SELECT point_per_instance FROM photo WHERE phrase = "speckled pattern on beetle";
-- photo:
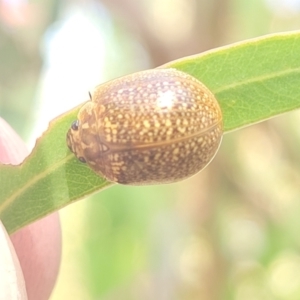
(151, 127)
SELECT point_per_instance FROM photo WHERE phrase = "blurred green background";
(230, 232)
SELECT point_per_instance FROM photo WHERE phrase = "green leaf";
(253, 80)
(49, 178)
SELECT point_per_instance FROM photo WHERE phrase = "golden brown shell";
(152, 127)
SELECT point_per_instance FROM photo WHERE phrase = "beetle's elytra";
(152, 127)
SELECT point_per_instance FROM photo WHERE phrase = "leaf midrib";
(256, 79)
(33, 181)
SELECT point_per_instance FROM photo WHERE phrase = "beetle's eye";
(75, 125)
(82, 159)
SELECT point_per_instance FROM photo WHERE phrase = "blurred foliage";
(231, 232)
